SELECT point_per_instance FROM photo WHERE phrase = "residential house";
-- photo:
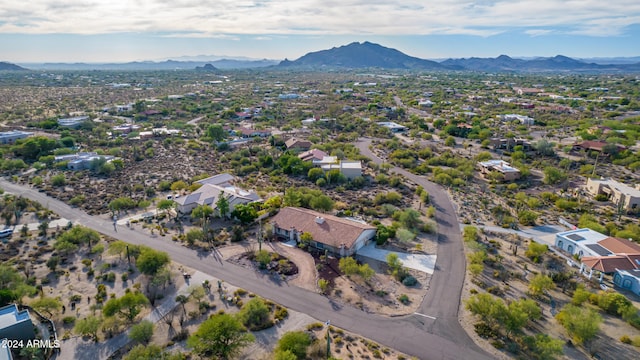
(528, 91)
(628, 279)
(508, 172)
(624, 196)
(298, 144)
(73, 122)
(326, 160)
(312, 155)
(82, 160)
(16, 324)
(125, 128)
(349, 168)
(523, 119)
(599, 252)
(394, 127)
(247, 133)
(212, 189)
(509, 143)
(591, 145)
(339, 236)
(9, 137)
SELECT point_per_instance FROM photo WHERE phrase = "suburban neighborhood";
(313, 214)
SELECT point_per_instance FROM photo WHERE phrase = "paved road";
(413, 335)
(442, 301)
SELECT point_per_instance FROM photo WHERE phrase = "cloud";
(262, 18)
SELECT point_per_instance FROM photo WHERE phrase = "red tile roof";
(608, 264)
(333, 231)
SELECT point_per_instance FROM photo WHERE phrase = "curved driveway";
(419, 336)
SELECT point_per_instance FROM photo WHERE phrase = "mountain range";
(5, 66)
(362, 55)
(366, 55)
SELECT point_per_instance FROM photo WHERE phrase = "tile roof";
(620, 246)
(333, 231)
(608, 264)
(313, 154)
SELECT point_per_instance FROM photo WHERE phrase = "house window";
(560, 244)
(626, 283)
(570, 249)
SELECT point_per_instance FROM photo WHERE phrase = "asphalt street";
(436, 334)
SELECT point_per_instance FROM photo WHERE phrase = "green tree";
(202, 212)
(410, 218)
(295, 342)
(58, 180)
(246, 213)
(141, 332)
(554, 175)
(128, 306)
(88, 326)
(544, 347)
(255, 315)
(539, 284)
(221, 336)
(150, 261)
(315, 174)
(582, 324)
(216, 133)
(178, 185)
(165, 205)
(47, 304)
(348, 266)
(322, 203)
(151, 352)
(223, 206)
(535, 251)
(490, 309)
(470, 233)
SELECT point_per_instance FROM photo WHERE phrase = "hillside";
(5, 66)
(363, 55)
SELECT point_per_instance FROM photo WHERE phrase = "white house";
(625, 196)
(394, 127)
(339, 236)
(349, 168)
(82, 160)
(9, 137)
(210, 192)
(72, 122)
(628, 279)
(523, 119)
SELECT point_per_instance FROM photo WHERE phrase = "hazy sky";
(127, 30)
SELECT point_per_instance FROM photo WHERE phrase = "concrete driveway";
(420, 262)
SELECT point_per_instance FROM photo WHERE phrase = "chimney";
(319, 220)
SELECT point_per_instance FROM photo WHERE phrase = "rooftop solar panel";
(599, 249)
(575, 237)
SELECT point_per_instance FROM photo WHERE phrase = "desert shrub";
(404, 298)
(409, 281)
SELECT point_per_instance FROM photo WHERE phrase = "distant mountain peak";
(362, 55)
